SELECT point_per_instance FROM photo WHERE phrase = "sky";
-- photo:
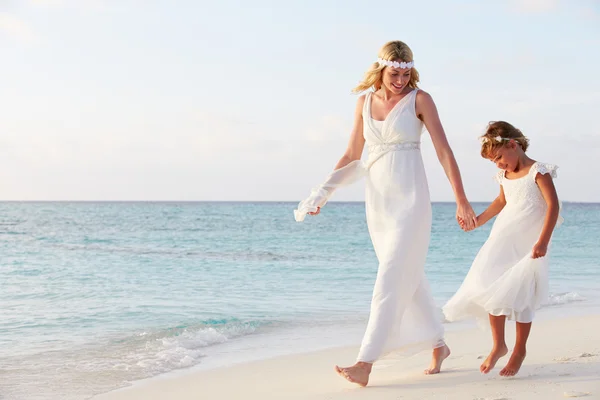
(251, 100)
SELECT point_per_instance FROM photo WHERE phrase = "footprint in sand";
(576, 394)
(582, 355)
(491, 398)
(585, 355)
(562, 359)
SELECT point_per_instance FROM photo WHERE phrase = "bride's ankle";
(441, 349)
(365, 365)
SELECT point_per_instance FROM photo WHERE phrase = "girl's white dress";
(403, 314)
(504, 279)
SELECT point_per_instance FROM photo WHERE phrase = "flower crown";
(497, 139)
(395, 64)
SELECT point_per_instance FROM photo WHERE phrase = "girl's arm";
(546, 185)
(427, 112)
(493, 209)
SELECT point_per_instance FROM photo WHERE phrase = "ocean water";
(96, 295)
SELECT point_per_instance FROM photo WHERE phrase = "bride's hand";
(465, 216)
(316, 212)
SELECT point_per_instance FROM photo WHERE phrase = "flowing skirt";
(504, 279)
(403, 315)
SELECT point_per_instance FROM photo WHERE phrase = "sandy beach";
(563, 362)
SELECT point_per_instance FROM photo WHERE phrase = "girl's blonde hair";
(393, 51)
(505, 132)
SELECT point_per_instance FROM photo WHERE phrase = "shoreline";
(563, 360)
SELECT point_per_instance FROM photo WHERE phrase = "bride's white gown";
(403, 314)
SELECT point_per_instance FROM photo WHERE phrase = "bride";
(389, 119)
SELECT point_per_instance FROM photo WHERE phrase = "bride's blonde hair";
(393, 51)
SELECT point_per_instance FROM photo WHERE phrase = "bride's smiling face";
(396, 79)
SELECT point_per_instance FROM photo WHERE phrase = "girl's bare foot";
(514, 364)
(439, 355)
(358, 373)
(492, 359)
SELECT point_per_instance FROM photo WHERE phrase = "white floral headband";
(395, 64)
(498, 139)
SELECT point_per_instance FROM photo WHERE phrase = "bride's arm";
(355, 145)
(357, 140)
(427, 112)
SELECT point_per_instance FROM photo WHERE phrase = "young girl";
(509, 275)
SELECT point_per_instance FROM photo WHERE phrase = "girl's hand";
(539, 250)
(465, 216)
(463, 225)
(316, 212)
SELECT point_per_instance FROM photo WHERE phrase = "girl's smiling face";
(506, 157)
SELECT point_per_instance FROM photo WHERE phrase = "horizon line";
(245, 201)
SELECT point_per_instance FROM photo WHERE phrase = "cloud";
(534, 6)
(48, 3)
(587, 9)
(590, 12)
(17, 29)
(90, 5)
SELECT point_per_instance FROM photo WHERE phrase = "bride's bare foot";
(492, 359)
(358, 373)
(439, 355)
(514, 364)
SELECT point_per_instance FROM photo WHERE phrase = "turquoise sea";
(96, 295)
